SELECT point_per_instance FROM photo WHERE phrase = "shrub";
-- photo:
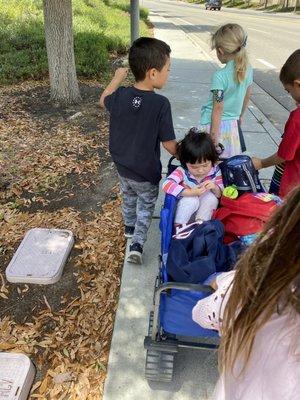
(100, 26)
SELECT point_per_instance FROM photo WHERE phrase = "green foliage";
(125, 6)
(100, 26)
(196, 1)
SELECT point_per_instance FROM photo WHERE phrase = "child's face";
(221, 55)
(159, 78)
(199, 169)
(294, 90)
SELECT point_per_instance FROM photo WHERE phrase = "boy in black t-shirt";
(140, 120)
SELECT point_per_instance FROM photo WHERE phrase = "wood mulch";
(56, 173)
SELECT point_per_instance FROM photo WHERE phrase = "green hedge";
(100, 26)
(125, 6)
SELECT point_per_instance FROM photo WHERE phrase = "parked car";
(213, 4)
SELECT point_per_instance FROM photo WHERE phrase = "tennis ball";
(231, 192)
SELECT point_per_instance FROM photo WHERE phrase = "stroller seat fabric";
(176, 314)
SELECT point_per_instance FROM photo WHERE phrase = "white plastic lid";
(16, 376)
(41, 256)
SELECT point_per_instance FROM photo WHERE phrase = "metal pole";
(135, 19)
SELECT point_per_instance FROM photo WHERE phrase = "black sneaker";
(135, 253)
(129, 231)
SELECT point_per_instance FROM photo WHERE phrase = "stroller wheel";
(159, 366)
(150, 325)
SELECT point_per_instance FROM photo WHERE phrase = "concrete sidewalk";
(195, 371)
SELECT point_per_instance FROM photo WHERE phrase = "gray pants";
(138, 204)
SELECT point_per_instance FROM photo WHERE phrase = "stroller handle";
(184, 286)
(174, 285)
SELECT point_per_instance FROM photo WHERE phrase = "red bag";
(244, 215)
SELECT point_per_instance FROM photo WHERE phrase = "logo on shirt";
(136, 102)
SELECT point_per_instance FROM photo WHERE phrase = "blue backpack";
(239, 171)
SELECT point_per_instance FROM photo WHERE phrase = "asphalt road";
(271, 37)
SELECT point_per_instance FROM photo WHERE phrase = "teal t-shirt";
(234, 93)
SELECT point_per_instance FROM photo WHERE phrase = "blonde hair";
(267, 279)
(232, 39)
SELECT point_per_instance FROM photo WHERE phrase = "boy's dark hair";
(291, 68)
(146, 53)
(196, 147)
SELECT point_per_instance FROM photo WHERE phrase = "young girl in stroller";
(197, 183)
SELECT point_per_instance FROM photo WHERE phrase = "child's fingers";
(207, 185)
(201, 190)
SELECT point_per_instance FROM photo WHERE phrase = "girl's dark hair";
(291, 68)
(146, 53)
(196, 147)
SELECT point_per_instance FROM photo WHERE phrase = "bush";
(91, 54)
(100, 26)
(125, 6)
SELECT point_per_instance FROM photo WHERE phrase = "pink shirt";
(181, 179)
(273, 370)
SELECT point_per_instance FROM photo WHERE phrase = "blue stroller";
(170, 322)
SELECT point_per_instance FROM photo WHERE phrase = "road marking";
(266, 63)
(257, 30)
(189, 23)
(183, 20)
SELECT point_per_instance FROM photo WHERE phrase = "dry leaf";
(72, 334)
(63, 377)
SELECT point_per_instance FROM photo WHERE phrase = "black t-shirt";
(139, 121)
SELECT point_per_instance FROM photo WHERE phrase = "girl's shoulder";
(219, 72)
(179, 171)
(249, 69)
(214, 171)
(224, 73)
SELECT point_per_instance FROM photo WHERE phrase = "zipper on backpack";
(252, 183)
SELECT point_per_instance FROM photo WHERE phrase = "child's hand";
(199, 190)
(257, 163)
(208, 185)
(121, 74)
(213, 284)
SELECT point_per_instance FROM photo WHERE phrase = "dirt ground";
(56, 172)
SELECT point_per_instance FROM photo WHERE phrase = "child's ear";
(297, 82)
(152, 73)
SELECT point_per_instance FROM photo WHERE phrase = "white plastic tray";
(41, 256)
(16, 376)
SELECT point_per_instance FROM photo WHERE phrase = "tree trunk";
(60, 51)
(296, 5)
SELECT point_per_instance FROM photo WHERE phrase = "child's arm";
(260, 163)
(118, 78)
(172, 185)
(171, 147)
(215, 185)
(196, 191)
(216, 115)
(246, 101)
